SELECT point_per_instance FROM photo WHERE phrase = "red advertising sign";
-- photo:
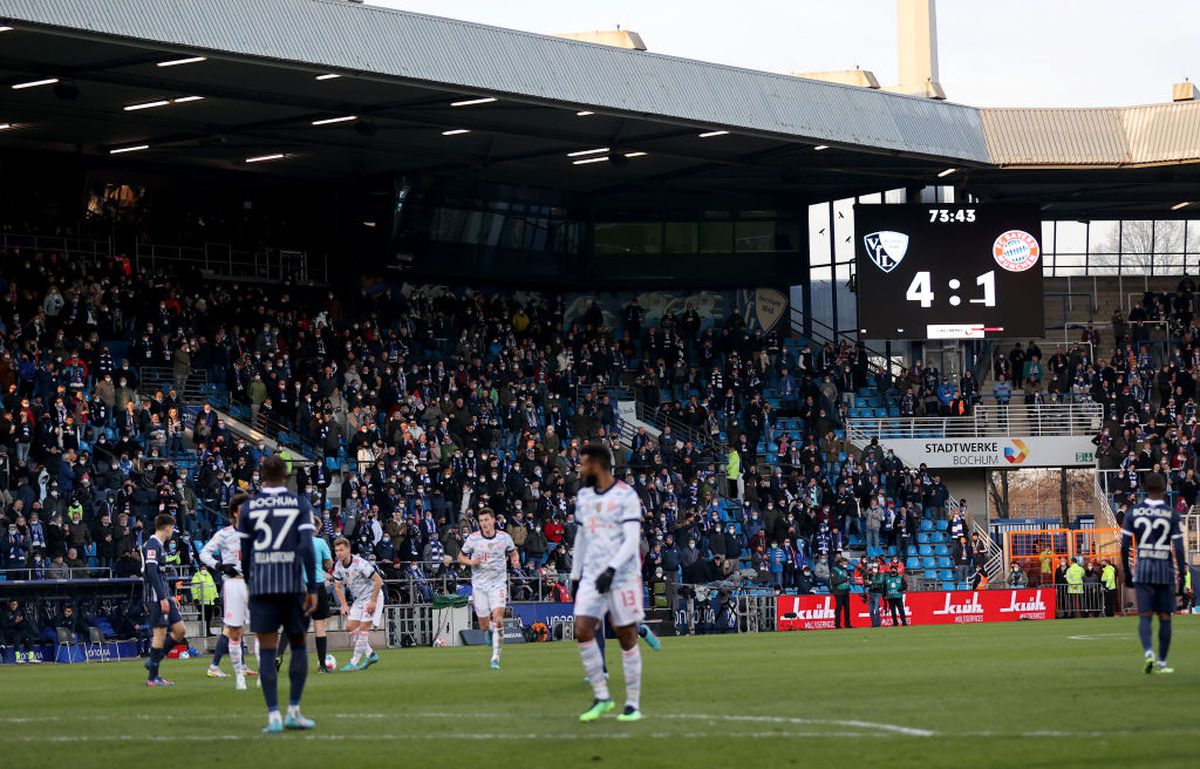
(815, 612)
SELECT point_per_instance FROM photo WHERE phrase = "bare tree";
(1143, 245)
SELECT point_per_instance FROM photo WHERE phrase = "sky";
(992, 53)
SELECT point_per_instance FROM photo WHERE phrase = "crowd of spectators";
(418, 407)
(1147, 388)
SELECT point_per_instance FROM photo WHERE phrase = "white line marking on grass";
(1097, 636)
(907, 731)
(571, 736)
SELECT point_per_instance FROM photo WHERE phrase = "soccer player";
(235, 600)
(1153, 528)
(487, 552)
(277, 560)
(161, 609)
(609, 580)
(358, 577)
(325, 566)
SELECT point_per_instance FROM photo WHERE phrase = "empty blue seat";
(923, 538)
(926, 525)
(891, 551)
(912, 550)
(930, 574)
(937, 538)
(947, 575)
(964, 585)
(912, 563)
(941, 550)
(929, 562)
(926, 550)
(943, 562)
(943, 525)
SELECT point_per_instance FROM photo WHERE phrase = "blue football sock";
(1144, 628)
(269, 678)
(221, 650)
(298, 672)
(1164, 638)
(156, 658)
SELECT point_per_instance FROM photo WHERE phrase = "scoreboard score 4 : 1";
(948, 271)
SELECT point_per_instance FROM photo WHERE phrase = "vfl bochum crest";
(886, 248)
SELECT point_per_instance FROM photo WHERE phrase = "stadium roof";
(667, 122)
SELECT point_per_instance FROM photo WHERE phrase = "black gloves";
(604, 581)
(229, 570)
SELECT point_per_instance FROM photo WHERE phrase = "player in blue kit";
(161, 609)
(280, 566)
(1153, 530)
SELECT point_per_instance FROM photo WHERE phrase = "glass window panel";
(754, 236)
(716, 237)
(894, 196)
(818, 234)
(628, 238)
(1048, 237)
(1137, 236)
(1068, 264)
(1071, 237)
(1169, 236)
(1103, 238)
(1193, 236)
(681, 238)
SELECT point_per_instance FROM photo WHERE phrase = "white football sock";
(593, 668)
(631, 663)
(235, 656)
(497, 637)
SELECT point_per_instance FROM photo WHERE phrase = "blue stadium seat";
(941, 550)
(891, 551)
(926, 525)
(943, 562)
(937, 538)
(912, 563)
(923, 538)
(929, 562)
(930, 574)
(943, 525)
(912, 550)
(926, 550)
(947, 575)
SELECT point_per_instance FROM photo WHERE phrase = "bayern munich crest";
(886, 248)
(1016, 250)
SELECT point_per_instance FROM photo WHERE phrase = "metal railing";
(986, 421)
(222, 260)
(44, 573)
(67, 246)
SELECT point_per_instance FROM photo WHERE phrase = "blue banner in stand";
(549, 614)
(109, 650)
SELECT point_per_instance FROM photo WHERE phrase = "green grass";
(1004, 695)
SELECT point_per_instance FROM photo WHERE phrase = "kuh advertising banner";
(957, 607)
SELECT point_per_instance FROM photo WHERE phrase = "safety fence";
(1040, 552)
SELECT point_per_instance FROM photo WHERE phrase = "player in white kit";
(223, 552)
(488, 553)
(360, 579)
(607, 573)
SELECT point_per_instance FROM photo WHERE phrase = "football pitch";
(1037, 694)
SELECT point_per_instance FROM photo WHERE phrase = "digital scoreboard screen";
(948, 271)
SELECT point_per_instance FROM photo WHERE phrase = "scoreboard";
(948, 271)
